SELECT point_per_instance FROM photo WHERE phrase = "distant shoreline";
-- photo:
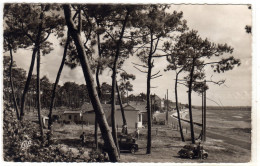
(246, 108)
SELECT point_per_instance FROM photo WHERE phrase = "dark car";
(127, 143)
(192, 151)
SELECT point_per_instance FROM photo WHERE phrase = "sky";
(219, 23)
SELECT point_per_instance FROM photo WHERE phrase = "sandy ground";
(165, 145)
(233, 123)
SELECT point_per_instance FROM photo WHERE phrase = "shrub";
(97, 156)
(22, 143)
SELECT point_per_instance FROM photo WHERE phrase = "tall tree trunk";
(167, 108)
(177, 106)
(205, 110)
(99, 95)
(105, 131)
(39, 93)
(127, 96)
(30, 102)
(202, 116)
(148, 98)
(57, 81)
(121, 107)
(190, 106)
(98, 88)
(113, 102)
(96, 132)
(11, 82)
(28, 80)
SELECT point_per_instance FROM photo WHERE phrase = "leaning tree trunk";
(28, 80)
(26, 88)
(99, 95)
(121, 107)
(105, 131)
(57, 82)
(177, 106)
(11, 82)
(190, 106)
(99, 90)
(113, 102)
(38, 93)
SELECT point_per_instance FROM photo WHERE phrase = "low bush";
(22, 143)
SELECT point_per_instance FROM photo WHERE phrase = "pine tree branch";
(140, 65)
(143, 46)
(154, 87)
(121, 69)
(156, 77)
(140, 47)
(46, 37)
(159, 56)
(182, 83)
(140, 70)
(27, 34)
(211, 81)
(110, 35)
(155, 73)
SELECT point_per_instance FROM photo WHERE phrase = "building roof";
(72, 112)
(88, 108)
(138, 105)
(129, 107)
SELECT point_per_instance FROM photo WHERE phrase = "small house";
(140, 106)
(134, 117)
(89, 114)
(57, 114)
(72, 116)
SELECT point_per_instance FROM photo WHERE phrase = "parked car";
(127, 143)
(192, 151)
